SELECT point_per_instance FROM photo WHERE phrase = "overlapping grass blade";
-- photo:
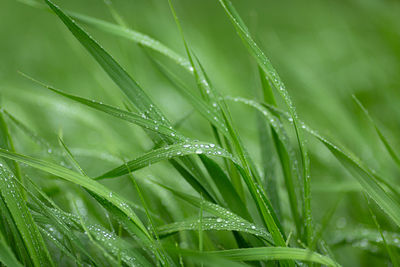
(12, 235)
(91, 185)
(125, 82)
(274, 78)
(218, 211)
(274, 253)
(11, 193)
(392, 254)
(7, 257)
(366, 178)
(131, 89)
(225, 187)
(168, 152)
(285, 153)
(140, 120)
(217, 224)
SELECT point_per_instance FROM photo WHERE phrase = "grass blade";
(274, 253)
(23, 220)
(83, 181)
(168, 152)
(131, 89)
(6, 255)
(212, 223)
(274, 78)
(384, 140)
(366, 178)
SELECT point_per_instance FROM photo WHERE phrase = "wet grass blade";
(7, 257)
(125, 82)
(225, 187)
(219, 212)
(366, 178)
(392, 254)
(274, 253)
(274, 78)
(11, 193)
(85, 182)
(168, 152)
(217, 224)
(140, 120)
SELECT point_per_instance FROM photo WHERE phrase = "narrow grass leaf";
(11, 193)
(366, 178)
(83, 181)
(217, 224)
(220, 212)
(125, 82)
(274, 253)
(274, 78)
(384, 140)
(140, 120)
(7, 257)
(168, 152)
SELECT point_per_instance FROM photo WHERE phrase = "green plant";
(208, 204)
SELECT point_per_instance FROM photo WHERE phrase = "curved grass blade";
(274, 78)
(285, 153)
(216, 210)
(23, 220)
(123, 31)
(168, 152)
(140, 120)
(384, 140)
(366, 178)
(13, 236)
(125, 82)
(392, 254)
(200, 105)
(7, 257)
(89, 184)
(248, 172)
(273, 253)
(217, 224)
(225, 187)
(134, 36)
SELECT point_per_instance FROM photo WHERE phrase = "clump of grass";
(217, 207)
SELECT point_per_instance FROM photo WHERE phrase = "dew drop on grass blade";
(273, 76)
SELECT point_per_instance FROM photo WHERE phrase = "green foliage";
(155, 162)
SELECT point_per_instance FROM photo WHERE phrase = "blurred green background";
(325, 51)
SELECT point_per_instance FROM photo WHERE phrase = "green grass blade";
(382, 137)
(212, 223)
(7, 257)
(366, 178)
(225, 187)
(219, 212)
(392, 254)
(140, 120)
(11, 193)
(274, 78)
(83, 181)
(134, 36)
(168, 152)
(274, 253)
(285, 153)
(131, 89)
(12, 235)
(25, 129)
